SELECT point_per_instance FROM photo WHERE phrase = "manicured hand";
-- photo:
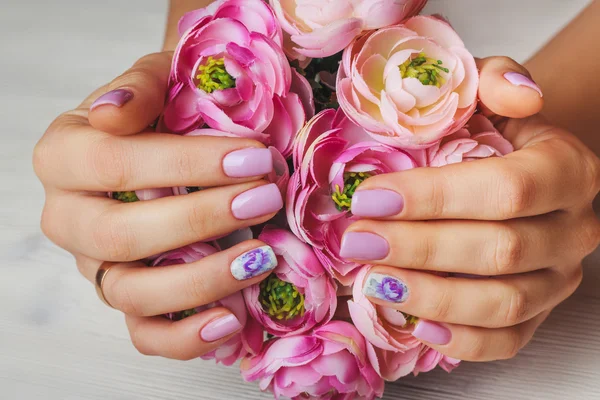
(511, 231)
(104, 145)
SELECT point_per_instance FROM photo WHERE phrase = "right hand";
(104, 145)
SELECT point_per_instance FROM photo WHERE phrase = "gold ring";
(100, 277)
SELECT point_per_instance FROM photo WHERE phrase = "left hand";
(521, 223)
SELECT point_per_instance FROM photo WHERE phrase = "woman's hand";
(521, 224)
(105, 146)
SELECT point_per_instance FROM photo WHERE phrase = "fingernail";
(376, 203)
(248, 162)
(364, 246)
(220, 328)
(386, 288)
(253, 263)
(256, 202)
(115, 98)
(521, 80)
(432, 333)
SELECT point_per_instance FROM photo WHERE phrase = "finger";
(468, 247)
(478, 344)
(105, 229)
(98, 162)
(551, 175)
(187, 339)
(136, 289)
(506, 88)
(490, 303)
(134, 100)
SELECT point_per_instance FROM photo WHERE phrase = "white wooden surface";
(57, 341)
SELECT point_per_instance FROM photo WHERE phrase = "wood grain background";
(58, 342)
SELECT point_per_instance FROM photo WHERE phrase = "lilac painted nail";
(253, 263)
(256, 202)
(376, 203)
(248, 162)
(521, 80)
(386, 288)
(115, 98)
(220, 328)
(432, 333)
(364, 246)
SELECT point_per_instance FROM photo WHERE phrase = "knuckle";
(589, 236)
(110, 162)
(441, 309)
(575, 279)
(517, 308)
(111, 237)
(189, 167)
(508, 251)
(437, 198)
(119, 295)
(47, 224)
(476, 350)
(41, 158)
(514, 343)
(141, 345)
(517, 193)
(197, 286)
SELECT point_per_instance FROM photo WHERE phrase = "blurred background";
(58, 342)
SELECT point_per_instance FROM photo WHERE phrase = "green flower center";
(125, 197)
(343, 197)
(280, 299)
(425, 69)
(213, 76)
(192, 189)
(410, 319)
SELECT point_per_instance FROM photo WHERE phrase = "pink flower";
(390, 331)
(316, 28)
(334, 363)
(299, 295)
(409, 85)
(230, 73)
(478, 139)
(332, 156)
(249, 340)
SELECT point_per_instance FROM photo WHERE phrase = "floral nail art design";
(386, 288)
(253, 263)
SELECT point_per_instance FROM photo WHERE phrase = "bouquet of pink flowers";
(339, 91)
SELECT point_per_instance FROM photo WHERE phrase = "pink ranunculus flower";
(230, 73)
(334, 363)
(249, 340)
(298, 295)
(478, 139)
(390, 331)
(332, 156)
(316, 28)
(409, 85)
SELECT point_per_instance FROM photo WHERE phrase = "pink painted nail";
(364, 246)
(376, 203)
(432, 333)
(248, 162)
(115, 98)
(257, 202)
(521, 80)
(220, 328)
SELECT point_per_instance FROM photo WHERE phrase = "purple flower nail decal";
(385, 288)
(253, 263)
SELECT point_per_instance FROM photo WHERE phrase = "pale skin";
(525, 220)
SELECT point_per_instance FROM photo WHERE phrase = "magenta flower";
(249, 340)
(332, 156)
(334, 362)
(478, 139)
(298, 295)
(316, 28)
(409, 85)
(230, 73)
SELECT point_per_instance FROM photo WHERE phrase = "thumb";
(134, 100)
(506, 89)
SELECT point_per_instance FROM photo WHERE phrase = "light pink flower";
(329, 153)
(249, 340)
(230, 73)
(317, 28)
(299, 295)
(429, 359)
(409, 85)
(478, 139)
(332, 363)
